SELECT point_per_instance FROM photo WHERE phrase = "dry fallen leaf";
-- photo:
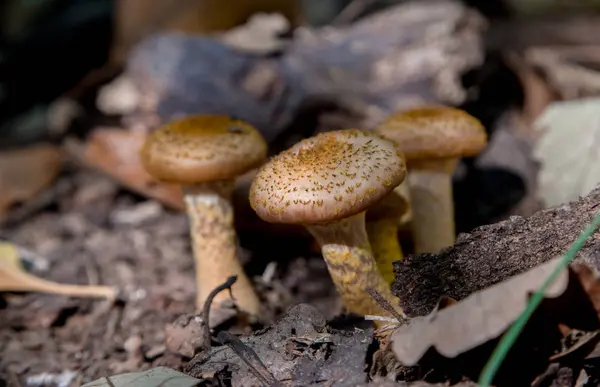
(25, 172)
(568, 150)
(115, 152)
(475, 320)
(470, 328)
(13, 278)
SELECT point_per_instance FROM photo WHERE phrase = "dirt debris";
(299, 349)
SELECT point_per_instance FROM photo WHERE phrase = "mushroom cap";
(434, 132)
(203, 148)
(328, 177)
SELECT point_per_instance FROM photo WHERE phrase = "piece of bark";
(493, 253)
(411, 53)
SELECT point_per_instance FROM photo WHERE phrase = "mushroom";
(433, 139)
(326, 183)
(382, 221)
(205, 153)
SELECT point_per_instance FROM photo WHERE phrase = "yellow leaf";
(13, 278)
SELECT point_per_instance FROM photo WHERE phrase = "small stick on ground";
(206, 308)
(386, 305)
(249, 357)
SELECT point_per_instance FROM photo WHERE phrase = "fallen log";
(492, 253)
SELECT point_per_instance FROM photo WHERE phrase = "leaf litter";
(463, 334)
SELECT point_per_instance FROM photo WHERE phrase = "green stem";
(511, 335)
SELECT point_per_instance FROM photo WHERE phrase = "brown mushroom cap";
(434, 132)
(327, 177)
(203, 148)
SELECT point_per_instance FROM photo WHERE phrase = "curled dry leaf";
(475, 320)
(115, 152)
(485, 315)
(25, 172)
(13, 278)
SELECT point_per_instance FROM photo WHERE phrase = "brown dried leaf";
(115, 152)
(475, 320)
(25, 172)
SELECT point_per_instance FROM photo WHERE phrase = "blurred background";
(82, 83)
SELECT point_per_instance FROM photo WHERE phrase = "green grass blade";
(511, 335)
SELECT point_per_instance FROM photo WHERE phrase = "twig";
(109, 382)
(249, 357)
(269, 272)
(370, 317)
(386, 305)
(206, 308)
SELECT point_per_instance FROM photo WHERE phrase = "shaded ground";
(97, 234)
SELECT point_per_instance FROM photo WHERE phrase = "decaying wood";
(407, 54)
(493, 253)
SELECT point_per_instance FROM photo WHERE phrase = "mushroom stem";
(214, 244)
(383, 235)
(403, 190)
(432, 204)
(350, 261)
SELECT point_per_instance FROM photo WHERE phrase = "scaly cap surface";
(203, 148)
(434, 132)
(327, 177)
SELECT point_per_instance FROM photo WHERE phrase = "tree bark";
(493, 253)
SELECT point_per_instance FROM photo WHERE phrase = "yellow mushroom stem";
(214, 243)
(383, 235)
(432, 205)
(383, 222)
(350, 261)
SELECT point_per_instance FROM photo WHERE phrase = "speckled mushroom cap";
(328, 177)
(203, 148)
(434, 132)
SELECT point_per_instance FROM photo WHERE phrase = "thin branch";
(370, 317)
(206, 308)
(249, 357)
(386, 305)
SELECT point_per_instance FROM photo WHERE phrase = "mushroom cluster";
(345, 187)
(326, 183)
